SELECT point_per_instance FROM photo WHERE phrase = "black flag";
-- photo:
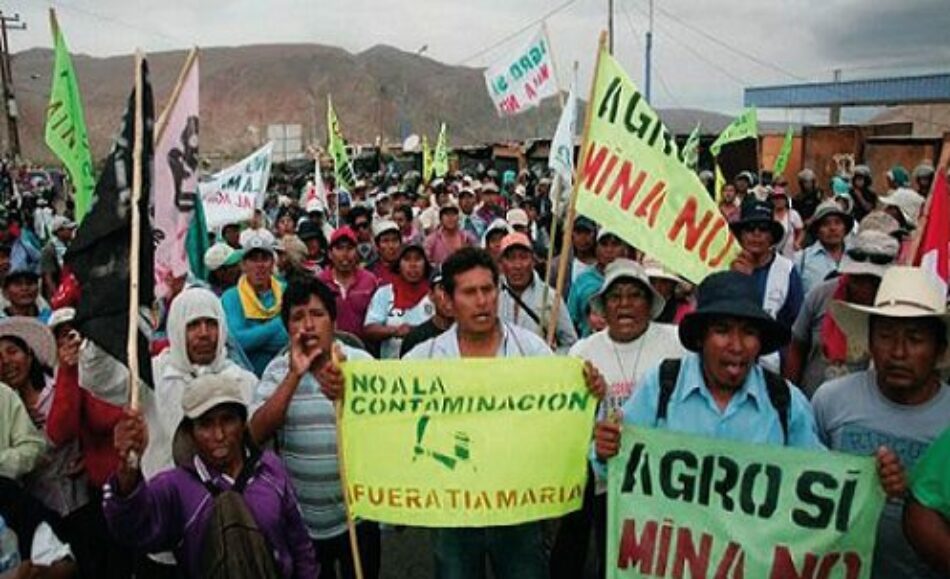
(99, 254)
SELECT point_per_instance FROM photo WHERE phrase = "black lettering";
(804, 490)
(685, 479)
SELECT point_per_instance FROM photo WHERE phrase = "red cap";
(341, 233)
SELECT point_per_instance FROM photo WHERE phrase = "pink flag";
(933, 253)
(176, 177)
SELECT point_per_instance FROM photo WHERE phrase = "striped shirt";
(308, 445)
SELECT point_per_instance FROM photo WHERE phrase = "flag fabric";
(720, 183)
(232, 194)
(197, 242)
(99, 253)
(781, 162)
(745, 126)
(440, 159)
(336, 146)
(176, 179)
(690, 153)
(561, 156)
(316, 190)
(523, 78)
(65, 126)
(427, 167)
(632, 182)
(933, 253)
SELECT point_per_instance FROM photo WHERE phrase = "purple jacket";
(172, 511)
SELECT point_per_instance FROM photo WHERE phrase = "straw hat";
(905, 292)
(35, 334)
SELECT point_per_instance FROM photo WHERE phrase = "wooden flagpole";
(571, 205)
(132, 346)
(350, 525)
(162, 121)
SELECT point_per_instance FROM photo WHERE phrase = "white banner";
(561, 156)
(523, 78)
(232, 195)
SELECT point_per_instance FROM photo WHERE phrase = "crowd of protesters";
(819, 336)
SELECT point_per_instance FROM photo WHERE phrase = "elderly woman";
(176, 510)
(400, 306)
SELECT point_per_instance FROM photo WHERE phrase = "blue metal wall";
(933, 88)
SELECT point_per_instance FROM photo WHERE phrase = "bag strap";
(781, 398)
(527, 309)
(669, 372)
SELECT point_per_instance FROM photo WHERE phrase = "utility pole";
(6, 73)
(649, 59)
(835, 113)
(610, 27)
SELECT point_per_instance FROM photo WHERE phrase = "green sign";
(745, 126)
(685, 506)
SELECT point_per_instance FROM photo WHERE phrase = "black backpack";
(779, 394)
(234, 547)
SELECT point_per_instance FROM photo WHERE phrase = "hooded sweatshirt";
(174, 372)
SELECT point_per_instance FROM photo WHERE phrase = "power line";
(636, 35)
(514, 34)
(106, 18)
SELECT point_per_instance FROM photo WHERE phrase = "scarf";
(834, 343)
(406, 295)
(251, 304)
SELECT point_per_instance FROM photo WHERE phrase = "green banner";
(690, 153)
(65, 126)
(450, 443)
(426, 160)
(782, 160)
(746, 126)
(631, 181)
(440, 161)
(336, 147)
(685, 506)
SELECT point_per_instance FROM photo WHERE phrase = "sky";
(704, 52)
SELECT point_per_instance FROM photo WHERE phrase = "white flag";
(231, 195)
(521, 79)
(561, 157)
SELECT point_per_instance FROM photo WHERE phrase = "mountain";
(380, 91)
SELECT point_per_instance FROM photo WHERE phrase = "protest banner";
(632, 182)
(688, 506)
(690, 153)
(176, 177)
(523, 78)
(745, 126)
(336, 147)
(232, 195)
(781, 161)
(440, 159)
(446, 443)
(65, 125)
(427, 167)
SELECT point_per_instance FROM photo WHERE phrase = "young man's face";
(729, 349)
(258, 267)
(756, 238)
(831, 231)
(387, 245)
(518, 265)
(362, 227)
(343, 256)
(310, 325)
(475, 301)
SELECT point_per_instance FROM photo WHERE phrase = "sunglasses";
(361, 225)
(760, 226)
(875, 258)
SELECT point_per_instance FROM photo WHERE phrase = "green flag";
(65, 127)
(745, 126)
(690, 153)
(336, 146)
(440, 161)
(426, 160)
(196, 242)
(782, 160)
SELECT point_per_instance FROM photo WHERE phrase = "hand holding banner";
(721, 508)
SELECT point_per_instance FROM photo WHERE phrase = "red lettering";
(650, 206)
(784, 568)
(686, 553)
(634, 551)
(529, 90)
(611, 163)
(622, 182)
(687, 219)
(722, 254)
(710, 235)
(733, 559)
(544, 73)
(592, 164)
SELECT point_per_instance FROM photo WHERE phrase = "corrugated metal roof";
(932, 88)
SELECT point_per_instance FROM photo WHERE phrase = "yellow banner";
(466, 443)
(632, 182)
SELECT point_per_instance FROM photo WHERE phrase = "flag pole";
(571, 205)
(132, 346)
(162, 121)
(350, 525)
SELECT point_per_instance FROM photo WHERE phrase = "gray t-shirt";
(854, 417)
(807, 329)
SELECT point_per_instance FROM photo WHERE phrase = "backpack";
(234, 547)
(779, 393)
